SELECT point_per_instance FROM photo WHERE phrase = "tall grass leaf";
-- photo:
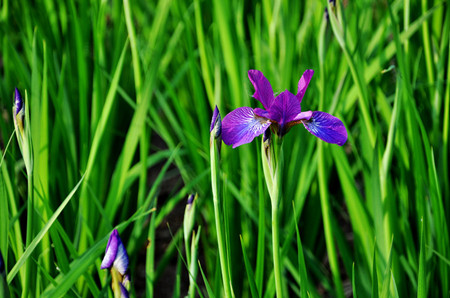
(4, 223)
(327, 223)
(41, 233)
(150, 257)
(375, 275)
(421, 278)
(375, 67)
(387, 273)
(166, 259)
(301, 261)
(354, 282)
(444, 259)
(358, 214)
(250, 275)
(205, 280)
(79, 266)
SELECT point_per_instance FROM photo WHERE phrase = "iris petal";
(263, 89)
(303, 83)
(327, 128)
(121, 261)
(111, 250)
(242, 125)
(285, 108)
(115, 255)
(303, 116)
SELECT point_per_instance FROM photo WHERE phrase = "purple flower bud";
(18, 111)
(190, 200)
(115, 255)
(18, 102)
(216, 123)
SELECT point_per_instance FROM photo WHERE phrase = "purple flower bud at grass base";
(216, 123)
(243, 124)
(115, 255)
(18, 111)
(190, 200)
(189, 216)
(116, 259)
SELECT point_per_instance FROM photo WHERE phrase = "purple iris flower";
(242, 125)
(115, 255)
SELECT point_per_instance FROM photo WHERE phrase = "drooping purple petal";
(241, 126)
(327, 128)
(216, 123)
(303, 83)
(111, 250)
(285, 108)
(263, 89)
(115, 255)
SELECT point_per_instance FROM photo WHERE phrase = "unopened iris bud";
(216, 124)
(21, 125)
(116, 260)
(18, 112)
(189, 216)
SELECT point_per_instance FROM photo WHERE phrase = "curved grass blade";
(41, 234)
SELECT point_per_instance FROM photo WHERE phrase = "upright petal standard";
(244, 124)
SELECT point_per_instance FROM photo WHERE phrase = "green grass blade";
(250, 274)
(41, 234)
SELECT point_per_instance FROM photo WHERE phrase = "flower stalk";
(22, 122)
(273, 163)
(215, 144)
(278, 116)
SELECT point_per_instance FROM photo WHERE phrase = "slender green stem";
(276, 251)
(215, 183)
(29, 237)
(273, 161)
